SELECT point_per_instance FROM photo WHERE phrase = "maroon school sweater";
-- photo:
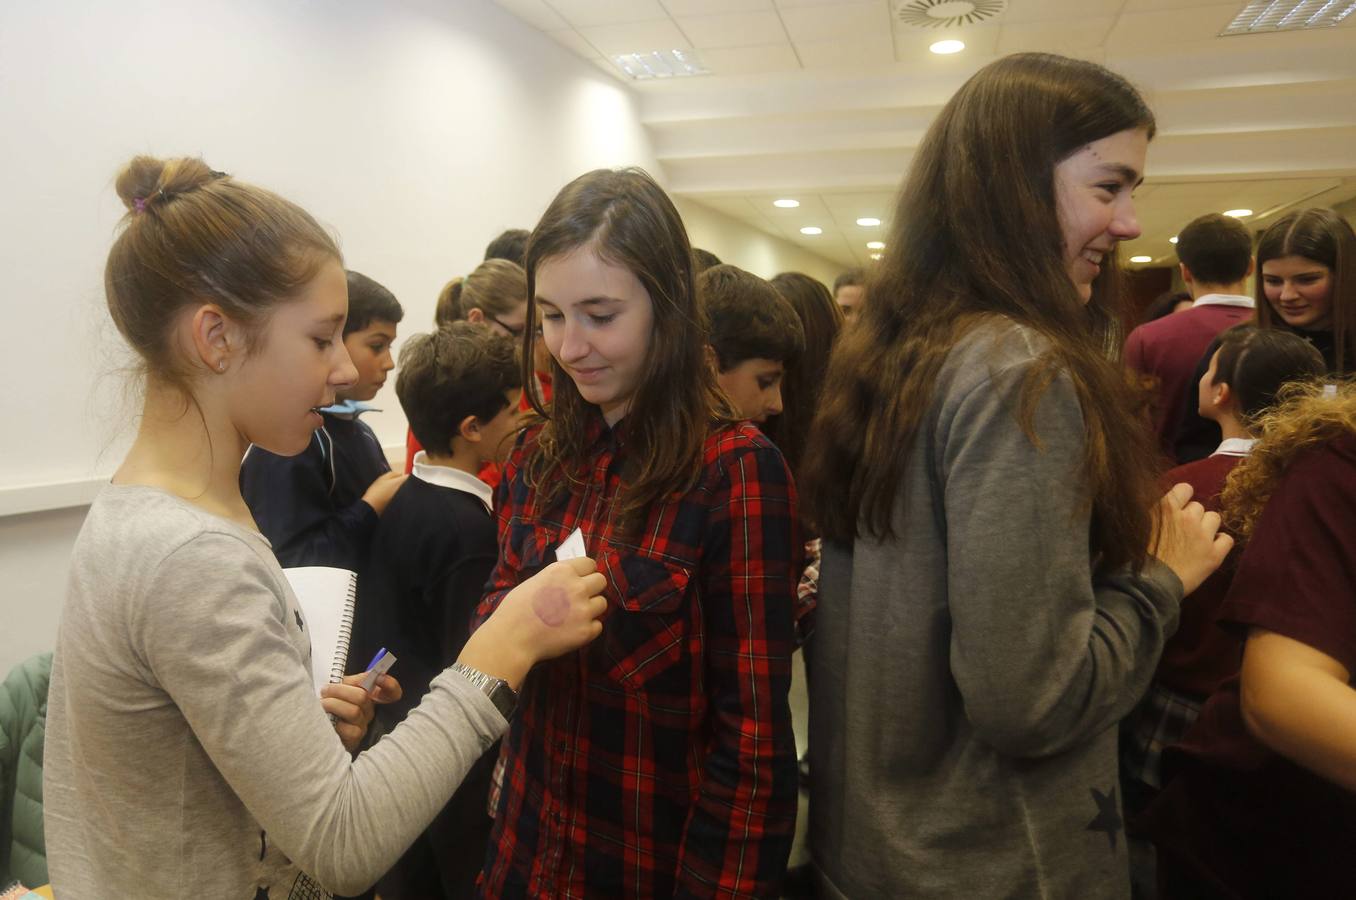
(1168, 350)
(1201, 656)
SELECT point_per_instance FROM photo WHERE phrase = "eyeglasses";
(515, 331)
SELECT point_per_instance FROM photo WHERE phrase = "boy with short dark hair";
(511, 244)
(320, 507)
(849, 292)
(432, 553)
(754, 334)
(1215, 253)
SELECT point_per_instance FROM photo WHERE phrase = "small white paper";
(383, 666)
(572, 547)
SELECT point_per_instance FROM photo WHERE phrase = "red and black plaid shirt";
(658, 761)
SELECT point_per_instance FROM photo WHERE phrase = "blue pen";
(376, 659)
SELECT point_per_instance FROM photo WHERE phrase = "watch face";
(504, 698)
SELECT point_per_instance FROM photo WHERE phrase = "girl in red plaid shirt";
(660, 761)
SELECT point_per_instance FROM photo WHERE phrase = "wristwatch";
(504, 698)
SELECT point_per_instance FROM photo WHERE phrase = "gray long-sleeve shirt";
(968, 673)
(187, 754)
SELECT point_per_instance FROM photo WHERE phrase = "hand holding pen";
(351, 702)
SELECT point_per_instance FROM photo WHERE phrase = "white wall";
(417, 130)
(755, 251)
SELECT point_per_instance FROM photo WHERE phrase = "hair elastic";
(139, 204)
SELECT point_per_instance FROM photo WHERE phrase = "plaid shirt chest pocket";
(647, 633)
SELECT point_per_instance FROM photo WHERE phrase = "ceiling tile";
(591, 13)
(867, 50)
(713, 7)
(1054, 37)
(735, 207)
(801, 4)
(607, 66)
(535, 13)
(1136, 6)
(576, 42)
(636, 37)
(839, 22)
(1059, 10)
(751, 60)
(846, 209)
(736, 29)
(1150, 30)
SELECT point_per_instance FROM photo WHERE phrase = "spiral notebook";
(327, 597)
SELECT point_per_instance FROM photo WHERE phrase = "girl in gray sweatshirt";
(999, 574)
(187, 754)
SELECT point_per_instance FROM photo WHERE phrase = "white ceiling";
(824, 101)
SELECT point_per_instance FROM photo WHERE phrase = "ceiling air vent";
(947, 13)
(1289, 15)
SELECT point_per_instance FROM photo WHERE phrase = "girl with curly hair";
(1259, 799)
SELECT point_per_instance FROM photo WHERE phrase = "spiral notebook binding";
(345, 632)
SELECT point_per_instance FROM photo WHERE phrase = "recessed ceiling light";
(875, 245)
(812, 229)
(786, 203)
(944, 48)
(1238, 213)
(660, 64)
(868, 222)
(1173, 239)
(1141, 259)
(875, 256)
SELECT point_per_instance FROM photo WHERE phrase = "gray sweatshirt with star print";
(969, 674)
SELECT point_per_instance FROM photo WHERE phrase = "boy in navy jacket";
(320, 508)
(433, 551)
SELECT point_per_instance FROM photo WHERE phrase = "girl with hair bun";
(996, 583)
(496, 294)
(187, 754)
(1307, 282)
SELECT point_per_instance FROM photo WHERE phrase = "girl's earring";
(221, 366)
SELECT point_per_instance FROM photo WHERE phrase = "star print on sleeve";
(300, 626)
(1108, 815)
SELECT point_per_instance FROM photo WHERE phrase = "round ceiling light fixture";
(1238, 213)
(868, 221)
(875, 245)
(812, 230)
(1141, 259)
(946, 48)
(786, 203)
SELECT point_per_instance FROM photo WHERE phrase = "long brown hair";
(1308, 415)
(1322, 236)
(628, 220)
(976, 235)
(822, 319)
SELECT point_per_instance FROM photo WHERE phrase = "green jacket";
(23, 717)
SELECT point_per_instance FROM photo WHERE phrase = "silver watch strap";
(504, 698)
